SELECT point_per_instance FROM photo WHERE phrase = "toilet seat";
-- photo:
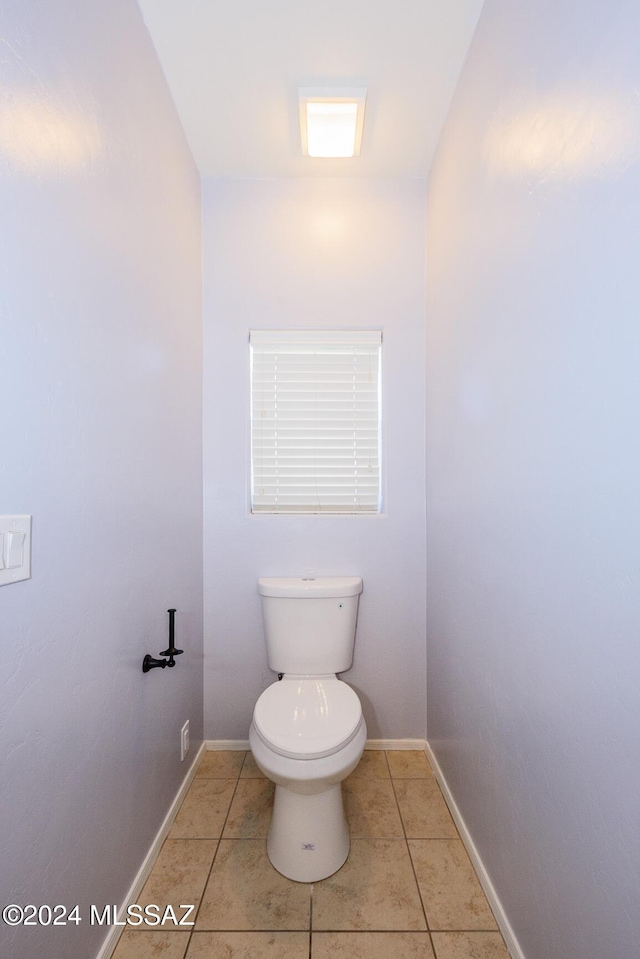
(307, 717)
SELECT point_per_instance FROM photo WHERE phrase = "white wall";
(100, 357)
(302, 253)
(533, 467)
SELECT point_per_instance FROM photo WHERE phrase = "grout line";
(484, 932)
(433, 945)
(377, 932)
(248, 932)
(310, 918)
(215, 856)
(406, 841)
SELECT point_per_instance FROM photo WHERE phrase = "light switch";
(15, 549)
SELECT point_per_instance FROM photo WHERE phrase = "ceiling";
(234, 66)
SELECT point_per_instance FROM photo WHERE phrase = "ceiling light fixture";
(331, 121)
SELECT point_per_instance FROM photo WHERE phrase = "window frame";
(359, 337)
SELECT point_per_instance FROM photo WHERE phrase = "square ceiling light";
(331, 121)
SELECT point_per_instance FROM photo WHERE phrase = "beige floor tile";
(372, 765)
(250, 812)
(245, 892)
(221, 764)
(179, 874)
(424, 812)
(469, 945)
(249, 768)
(408, 764)
(452, 895)
(375, 889)
(371, 945)
(204, 810)
(249, 945)
(372, 810)
(151, 945)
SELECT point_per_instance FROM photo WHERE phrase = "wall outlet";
(184, 741)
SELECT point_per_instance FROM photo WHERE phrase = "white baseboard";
(110, 943)
(396, 744)
(226, 744)
(508, 934)
(229, 744)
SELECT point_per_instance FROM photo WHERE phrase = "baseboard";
(110, 943)
(395, 744)
(226, 744)
(229, 744)
(508, 934)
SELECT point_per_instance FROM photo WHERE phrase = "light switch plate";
(13, 573)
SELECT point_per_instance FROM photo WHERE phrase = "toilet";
(308, 731)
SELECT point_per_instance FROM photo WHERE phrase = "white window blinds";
(315, 421)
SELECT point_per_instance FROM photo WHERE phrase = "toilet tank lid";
(311, 587)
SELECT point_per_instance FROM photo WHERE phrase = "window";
(315, 421)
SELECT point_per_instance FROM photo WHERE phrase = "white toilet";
(308, 731)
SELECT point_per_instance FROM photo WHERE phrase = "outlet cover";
(184, 741)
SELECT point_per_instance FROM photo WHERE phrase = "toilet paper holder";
(150, 663)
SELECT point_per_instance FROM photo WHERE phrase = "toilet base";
(308, 837)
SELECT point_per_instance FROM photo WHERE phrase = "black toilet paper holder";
(150, 663)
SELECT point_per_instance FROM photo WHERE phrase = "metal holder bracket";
(150, 663)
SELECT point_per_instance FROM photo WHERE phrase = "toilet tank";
(310, 624)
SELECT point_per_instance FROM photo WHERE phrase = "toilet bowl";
(308, 731)
(307, 735)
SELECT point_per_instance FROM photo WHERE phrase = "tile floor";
(407, 890)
